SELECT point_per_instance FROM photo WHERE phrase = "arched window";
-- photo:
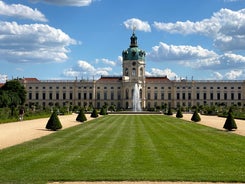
(133, 72)
(127, 94)
(126, 71)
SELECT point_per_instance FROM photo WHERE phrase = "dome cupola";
(133, 52)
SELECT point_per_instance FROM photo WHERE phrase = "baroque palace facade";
(118, 90)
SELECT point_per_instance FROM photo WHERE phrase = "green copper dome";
(133, 52)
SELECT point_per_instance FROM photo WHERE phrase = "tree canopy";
(12, 93)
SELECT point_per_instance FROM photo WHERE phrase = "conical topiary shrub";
(103, 111)
(53, 122)
(81, 116)
(195, 117)
(94, 114)
(169, 111)
(230, 123)
(179, 114)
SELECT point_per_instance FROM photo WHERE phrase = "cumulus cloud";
(225, 61)
(21, 11)
(158, 72)
(138, 24)
(233, 74)
(217, 75)
(106, 61)
(163, 52)
(85, 69)
(66, 2)
(3, 78)
(225, 27)
(33, 43)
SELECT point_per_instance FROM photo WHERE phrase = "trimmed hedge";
(81, 116)
(195, 117)
(179, 114)
(53, 122)
(230, 123)
(94, 114)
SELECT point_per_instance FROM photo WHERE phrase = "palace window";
(133, 72)
(183, 96)
(37, 96)
(50, 96)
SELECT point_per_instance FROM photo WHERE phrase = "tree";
(15, 88)
(195, 117)
(54, 122)
(4, 99)
(179, 114)
(81, 116)
(230, 122)
(94, 114)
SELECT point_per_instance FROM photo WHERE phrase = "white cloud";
(33, 43)
(217, 75)
(3, 78)
(138, 24)
(106, 61)
(164, 52)
(222, 62)
(233, 74)
(225, 27)
(66, 2)
(85, 69)
(158, 72)
(71, 73)
(21, 11)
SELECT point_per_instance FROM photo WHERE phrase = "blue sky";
(65, 39)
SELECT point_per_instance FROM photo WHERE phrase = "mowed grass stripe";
(128, 147)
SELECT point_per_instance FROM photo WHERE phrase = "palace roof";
(157, 79)
(110, 79)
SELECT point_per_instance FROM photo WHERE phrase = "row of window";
(112, 87)
(231, 96)
(183, 96)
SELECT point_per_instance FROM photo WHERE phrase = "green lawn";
(128, 147)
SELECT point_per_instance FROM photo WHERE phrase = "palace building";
(154, 91)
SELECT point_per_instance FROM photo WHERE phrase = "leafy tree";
(54, 122)
(179, 114)
(81, 116)
(230, 122)
(94, 114)
(15, 89)
(4, 99)
(195, 117)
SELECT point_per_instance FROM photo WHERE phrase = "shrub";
(81, 116)
(179, 114)
(230, 122)
(54, 122)
(94, 114)
(103, 111)
(195, 117)
(169, 111)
